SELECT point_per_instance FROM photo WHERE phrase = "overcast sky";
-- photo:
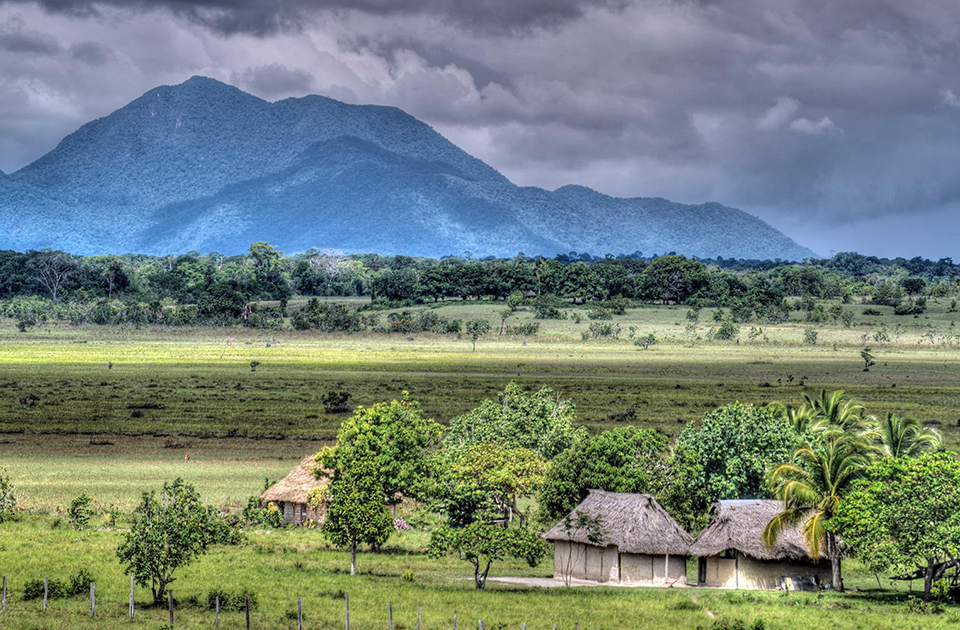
(838, 121)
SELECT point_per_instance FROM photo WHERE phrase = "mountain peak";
(204, 165)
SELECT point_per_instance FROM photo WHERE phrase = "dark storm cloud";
(263, 18)
(823, 117)
(16, 38)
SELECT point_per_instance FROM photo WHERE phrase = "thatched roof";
(739, 525)
(635, 523)
(294, 487)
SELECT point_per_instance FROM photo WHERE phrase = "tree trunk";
(928, 578)
(836, 575)
(353, 557)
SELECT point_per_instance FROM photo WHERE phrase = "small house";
(732, 554)
(290, 494)
(639, 542)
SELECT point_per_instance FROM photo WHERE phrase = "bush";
(547, 307)
(727, 331)
(80, 583)
(9, 503)
(33, 589)
(80, 512)
(231, 601)
(599, 311)
(646, 341)
(336, 400)
(810, 337)
(527, 329)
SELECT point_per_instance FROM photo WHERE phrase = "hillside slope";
(203, 165)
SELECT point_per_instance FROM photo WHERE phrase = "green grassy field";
(113, 412)
(280, 566)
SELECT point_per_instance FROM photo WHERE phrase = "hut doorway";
(701, 570)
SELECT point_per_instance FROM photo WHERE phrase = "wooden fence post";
(454, 621)
(4, 594)
(93, 599)
(390, 609)
(170, 605)
(131, 597)
(346, 597)
(216, 615)
(418, 616)
(45, 590)
(481, 624)
(299, 613)
(247, 608)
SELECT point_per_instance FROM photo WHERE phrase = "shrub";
(336, 400)
(810, 337)
(80, 512)
(33, 589)
(526, 329)
(727, 331)
(79, 583)
(599, 311)
(9, 503)
(232, 601)
(547, 307)
(646, 341)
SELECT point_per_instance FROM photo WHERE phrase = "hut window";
(728, 554)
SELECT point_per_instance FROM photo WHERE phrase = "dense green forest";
(254, 289)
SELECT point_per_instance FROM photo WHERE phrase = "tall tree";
(904, 514)
(52, 269)
(356, 511)
(811, 486)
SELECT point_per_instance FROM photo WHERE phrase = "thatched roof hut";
(290, 493)
(641, 543)
(739, 525)
(732, 553)
(635, 523)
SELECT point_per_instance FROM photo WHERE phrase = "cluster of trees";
(518, 463)
(195, 289)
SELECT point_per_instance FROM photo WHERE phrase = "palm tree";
(835, 409)
(811, 486)
(906, 437)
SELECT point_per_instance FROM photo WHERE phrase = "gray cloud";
(91, 53)
(265, 18)
(822, 117)
(275, 81)
(16, 38)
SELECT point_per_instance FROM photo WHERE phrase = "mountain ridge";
(203, 153)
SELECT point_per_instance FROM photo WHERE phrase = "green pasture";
(280, 566)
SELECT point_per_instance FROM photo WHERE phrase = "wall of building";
(645, 569)
(587, 562)
(756, 574)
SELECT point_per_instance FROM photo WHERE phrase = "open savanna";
(280, 566)
(119, 408)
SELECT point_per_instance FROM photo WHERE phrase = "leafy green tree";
(811, 487)
(904, 514)
(673, 279)
(476, 328)
(906, 437)
(394, 439)
(625, 459)
(482, 544)
(540, 421)
(734, 447)
(493, 478)
(168, 532)
(356, 511)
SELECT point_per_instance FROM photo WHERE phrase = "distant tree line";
(194, 289)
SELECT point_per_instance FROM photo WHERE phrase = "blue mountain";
(205, 166)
